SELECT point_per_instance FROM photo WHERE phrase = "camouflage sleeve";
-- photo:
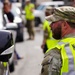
(51, 64)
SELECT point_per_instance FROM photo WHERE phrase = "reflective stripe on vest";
(71, 70)
(68, 59)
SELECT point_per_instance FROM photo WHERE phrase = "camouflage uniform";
(29, 7)
(30, 27)
(51, 64)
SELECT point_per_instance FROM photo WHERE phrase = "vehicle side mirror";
(6, 45)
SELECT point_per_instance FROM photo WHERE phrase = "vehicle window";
(15, 10)
(52, 5)
(41, 7)
(60, 5)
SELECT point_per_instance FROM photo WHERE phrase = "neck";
(71, 31)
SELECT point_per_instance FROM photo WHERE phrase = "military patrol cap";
(66, 13)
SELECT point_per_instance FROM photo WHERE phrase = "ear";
(65, 25)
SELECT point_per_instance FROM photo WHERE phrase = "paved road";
(32, 53)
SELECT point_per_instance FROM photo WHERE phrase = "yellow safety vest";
(5, 64)
(67, 47)
(29, 14)
(47, 27)
(51, 42)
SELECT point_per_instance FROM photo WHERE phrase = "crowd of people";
(29, 8)
(58, 39)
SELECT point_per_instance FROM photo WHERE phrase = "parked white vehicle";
(40, 11)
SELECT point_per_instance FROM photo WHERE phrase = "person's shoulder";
(52, 63)
(53, 52)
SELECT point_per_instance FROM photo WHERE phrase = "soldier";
(60, 60)
(29, 8)
(48, 40)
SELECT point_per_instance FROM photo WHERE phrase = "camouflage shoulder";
(52, 63)
(51, 54)
(53, 51)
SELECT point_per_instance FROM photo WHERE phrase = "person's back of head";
(49, 10)
(27, 2)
